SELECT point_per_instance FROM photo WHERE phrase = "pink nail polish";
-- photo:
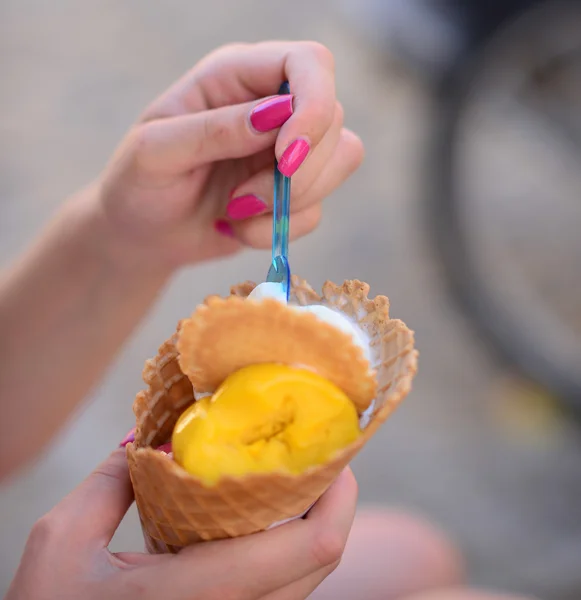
(130, 437)
(224, 228)
(292, 158)
(244, 207)
(165, 448)
(271, 113)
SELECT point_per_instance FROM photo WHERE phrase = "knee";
(392, 555)
(421, 543)
(415, 543)
(462, 594)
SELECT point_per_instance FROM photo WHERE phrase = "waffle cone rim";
(224, 335)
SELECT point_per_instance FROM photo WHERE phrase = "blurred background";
(466, 213)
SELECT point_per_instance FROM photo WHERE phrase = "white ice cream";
(323, 313)
(268, 290)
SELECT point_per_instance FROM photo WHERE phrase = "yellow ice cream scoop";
(264, 418)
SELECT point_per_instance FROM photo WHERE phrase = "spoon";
(279, 271)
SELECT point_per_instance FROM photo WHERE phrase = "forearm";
(65, 309)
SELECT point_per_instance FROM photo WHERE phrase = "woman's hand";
(187, 184)
(66, 556)
(193, 179)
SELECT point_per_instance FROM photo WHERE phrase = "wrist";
(107, 243)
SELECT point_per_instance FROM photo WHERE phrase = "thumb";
(92, 511)
(178, 144)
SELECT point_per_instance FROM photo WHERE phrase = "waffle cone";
(176, 509)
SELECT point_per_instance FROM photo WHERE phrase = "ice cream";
(268, 290)
(323, 313)
(223, 337)
(264, 419)
(268, 418)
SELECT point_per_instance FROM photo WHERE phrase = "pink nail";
(130, 437)
(165, 447)
(292, 158)
(224, 228)
(244, 207)
(271, 113)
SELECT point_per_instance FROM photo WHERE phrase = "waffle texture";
(176, 509)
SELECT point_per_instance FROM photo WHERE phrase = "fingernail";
(165, 448)
(130, 437)
(244, 207)
(224, 228)
(271, 113)
(292, 158)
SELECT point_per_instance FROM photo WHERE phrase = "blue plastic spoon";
(279, 271)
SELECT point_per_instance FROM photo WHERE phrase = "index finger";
(259, 564)
(309, 67)
(244, 72)
(91, 513)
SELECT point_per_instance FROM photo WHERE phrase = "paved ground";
(75, 75)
